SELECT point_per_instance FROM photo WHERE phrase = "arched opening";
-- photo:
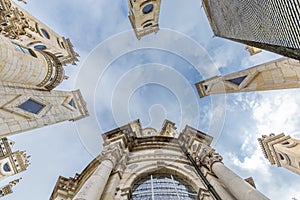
(45, 33)
(148, 8)
(6, 168)
(40, 47)
(162, 186)
(147, 24)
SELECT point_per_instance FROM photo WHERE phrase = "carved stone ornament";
(112, 152)
(210, 158)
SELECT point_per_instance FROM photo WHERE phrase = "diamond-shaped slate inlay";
(72, 103)
(31, 106)
(238, 80)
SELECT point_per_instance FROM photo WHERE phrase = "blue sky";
(153, 79)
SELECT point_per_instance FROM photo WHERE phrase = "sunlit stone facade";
(272, 25)
(32, 57)
(24, 29)
(143, 163)
(283, 73)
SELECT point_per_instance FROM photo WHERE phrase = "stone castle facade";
(143, 163)
(32, 60)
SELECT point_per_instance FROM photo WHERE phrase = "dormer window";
(6, 168)
(24, 50)
(32, 106)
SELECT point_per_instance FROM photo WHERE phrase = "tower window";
(31, 106)
(6, 168)
(24, 50)
(286, 143)
(238, 80)
(147, 25)
(163, 186)
(45, 33)
(40, 47)
(72, 103)
(148, 8)
(281, 156)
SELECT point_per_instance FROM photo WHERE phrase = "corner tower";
(281, 150)
(143, 163)
(24, 29)
(144, 16)
(32, 57)
(11, 163)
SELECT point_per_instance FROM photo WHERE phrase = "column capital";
(209, 157)
(112, 152)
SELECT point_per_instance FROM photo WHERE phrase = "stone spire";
(7, 189)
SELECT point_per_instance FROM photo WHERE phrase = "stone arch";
(177, 169)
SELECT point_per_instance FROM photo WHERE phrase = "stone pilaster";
(283, 73)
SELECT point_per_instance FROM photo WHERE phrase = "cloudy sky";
(123, 79)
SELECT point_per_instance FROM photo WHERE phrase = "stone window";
(6, 168)
(163, 186)
(24, 50)
(238, 80)
(147, 24)
(40, 47)
(32, 106)
(45, 33)
(148, 8)
(72, 103)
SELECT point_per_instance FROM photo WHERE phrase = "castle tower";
(15, 163)
(11, 163)
(28, 32)
(144, 16)
(31, 66)
(143, 163)
(283, 73)
(7, 189)
(6, 146)
(281, 150)
(271, 25)
(23, 109)
(28, 67)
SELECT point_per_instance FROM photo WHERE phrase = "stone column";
(93, 188)
(115, 178)
(238, 187)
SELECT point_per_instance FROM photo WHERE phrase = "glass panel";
(163, 187)
(31, 106)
